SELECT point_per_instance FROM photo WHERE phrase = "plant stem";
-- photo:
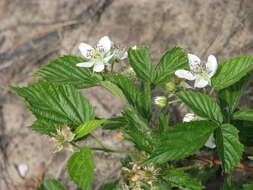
(98, 141)
(174, 101)
(107, 149)
(187, 167)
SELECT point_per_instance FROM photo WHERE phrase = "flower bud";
(170, 87)
(161, 101)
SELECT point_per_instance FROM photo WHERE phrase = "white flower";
(210, 143)
(62, 139)
(161, 101)
(98, 56)
(199, 71)
(119, 53)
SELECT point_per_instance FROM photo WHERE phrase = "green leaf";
(136, 130)
(248, 186)
(182, 181)
(114, 123)
(114, 89)
(171, 61)
(139, 98)
(43, 127)
(231, 71)
(64, 70)
(203, 174)
(181, 141)
(58, 104)
(245, 131)
(51, 184)
(81, 167)
(244, 115)
(109, 186)
(230, 96)
(140, 61)
(202, 105)
(87, 127)
(229, 147)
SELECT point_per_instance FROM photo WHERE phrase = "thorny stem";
(107, 149)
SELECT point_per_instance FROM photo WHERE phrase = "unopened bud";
(161, 101)
(170, 87)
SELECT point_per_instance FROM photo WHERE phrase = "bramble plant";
(166, 155)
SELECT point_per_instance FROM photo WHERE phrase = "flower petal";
(181, 73)
(108, 57)
(194, 61)
(189, 117)
(99, 67)
(210, 143)
(105, 44)
(201, 83)
(211, 65)
(85, 64)
(86, 50)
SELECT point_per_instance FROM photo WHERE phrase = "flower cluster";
(102, 54)
(138, 175)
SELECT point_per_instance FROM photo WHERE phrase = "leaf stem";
(187, 167)
(98, 141)
(107, 149)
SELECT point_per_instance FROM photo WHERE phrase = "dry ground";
(33, 32)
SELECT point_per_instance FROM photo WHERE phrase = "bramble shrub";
(165, 155)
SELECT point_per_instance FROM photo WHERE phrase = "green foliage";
(245, 131)
(202, 105)
(182, 181)
(136, 97)
(43, 127)
(81, 167)
(181, 141)
(170, 62)
(248, 186)
(203, 174)
(230, 96)
(141, 62)
(87, 127)
(114, 123)
(230, 185)
(58, 104)
(136, 130)
(244, 115)
(51, 184)
(229, 147)
(64, 70)
(231, 71)
(109, 186)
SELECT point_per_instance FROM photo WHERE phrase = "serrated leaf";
(114, 123)
(51, 184)
(182, 181)
(140, 61)
(109, 186)
(244, 115)
(137, 97)
(202, 105)
(58, 104)
(181, 141)
(81, 167)
(64, 70)
(231, 71)
(171, 61)
(230, 96)
(136, 130)
(43, 127)
(229, 147)
(87, 127)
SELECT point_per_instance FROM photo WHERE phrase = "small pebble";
(22, 169)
